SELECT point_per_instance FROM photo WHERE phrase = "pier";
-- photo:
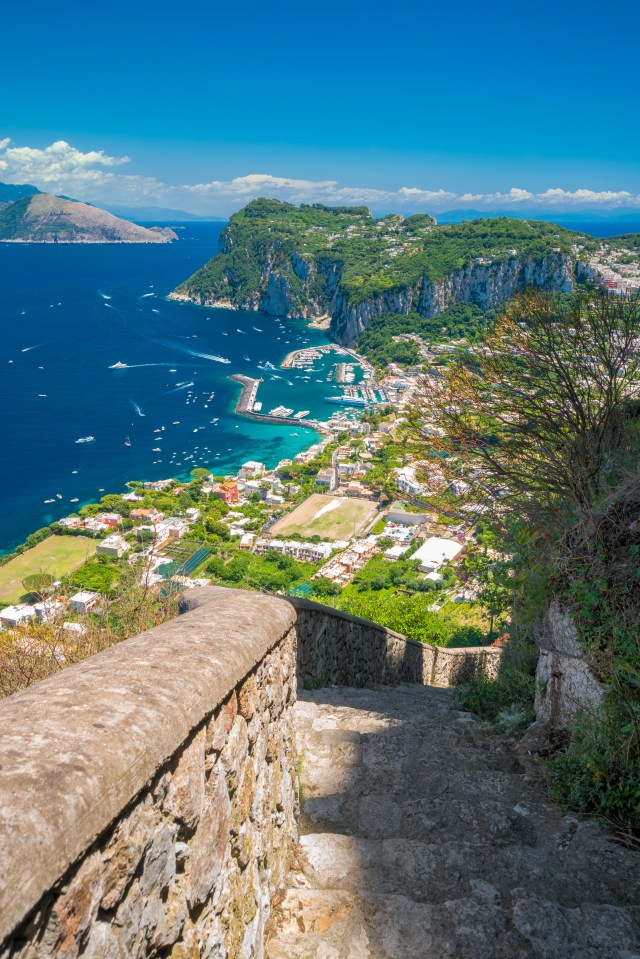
(247, 398)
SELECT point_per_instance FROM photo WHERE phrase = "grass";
(314, 518)
(57, 555)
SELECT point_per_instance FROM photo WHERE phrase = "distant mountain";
(160, 214)
(43, 218)
(10, 192)
(560, 216)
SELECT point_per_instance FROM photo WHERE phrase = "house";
(76, 628)
(95, 525)
(114, 545)
(407, 481)
(313, 552)
(192, 514)
(273, 499)
(246, 540)
(13, 616)
(435, 552)
(158, 485)
(151, 515)
(396, 551)
(70, 522)
(171, 526)
(84, 601)
(251, 468)
(327, 477)
(228, 493)
(48, 610)
(132, 497)
(109, 519)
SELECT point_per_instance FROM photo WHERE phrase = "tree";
(38, 584)
(541, 404)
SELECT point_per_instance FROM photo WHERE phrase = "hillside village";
(352, 508)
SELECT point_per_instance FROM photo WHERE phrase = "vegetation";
(49, 647)
(542, 417)
(309, 245)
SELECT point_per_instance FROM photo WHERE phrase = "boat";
(127, 442)
(74, 500)
(156, 450)
(346, 400)
(118, 366)
(58, 495)
(49, 501)
(176, 422)
(281, 411)
(74, 471)
(257, 406)
(86, 439)
(301, 415)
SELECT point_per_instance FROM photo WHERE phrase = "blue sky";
(401, 105)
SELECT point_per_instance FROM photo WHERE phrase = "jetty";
(246, 406)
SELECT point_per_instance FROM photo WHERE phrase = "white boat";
(118, 366)
(156, 450)
(49, 501)
(58, 495)
(86, 439)
(301, 415)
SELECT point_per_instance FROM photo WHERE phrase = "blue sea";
(69, 313)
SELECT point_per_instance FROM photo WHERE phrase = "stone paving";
(424, 836)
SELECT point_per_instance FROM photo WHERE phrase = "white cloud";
(94, 175)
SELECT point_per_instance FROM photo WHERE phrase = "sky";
(408, 106)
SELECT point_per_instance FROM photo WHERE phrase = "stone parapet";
(148, 795)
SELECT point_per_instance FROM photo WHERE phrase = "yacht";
(118, 366)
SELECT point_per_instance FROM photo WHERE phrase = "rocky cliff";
(340, 262)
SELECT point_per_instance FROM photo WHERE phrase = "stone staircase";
(424, 836)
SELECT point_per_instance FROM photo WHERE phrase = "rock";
(209, 842)
(185, 796)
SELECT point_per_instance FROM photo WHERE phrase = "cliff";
(318, 261)
(43, 218)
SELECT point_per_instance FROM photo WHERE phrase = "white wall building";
(435, 552)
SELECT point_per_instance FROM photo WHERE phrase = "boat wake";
(257, 328)
(145, 295)
(137, 408)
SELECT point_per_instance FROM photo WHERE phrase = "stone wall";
(336, 649)
(148, 795)
(565, 685)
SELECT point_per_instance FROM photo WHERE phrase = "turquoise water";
(68, 313)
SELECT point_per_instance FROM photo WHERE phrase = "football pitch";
(332, 517)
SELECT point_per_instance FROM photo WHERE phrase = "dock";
(246, 406)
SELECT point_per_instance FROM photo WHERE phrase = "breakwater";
(247, 399)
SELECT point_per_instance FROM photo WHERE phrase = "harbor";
(246, 406)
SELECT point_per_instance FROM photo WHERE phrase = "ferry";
(282, 411)
(347, 400)
(301, 415)
(86, 439)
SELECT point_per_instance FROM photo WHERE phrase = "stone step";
(424, 837)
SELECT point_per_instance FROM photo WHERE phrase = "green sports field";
(57, 555)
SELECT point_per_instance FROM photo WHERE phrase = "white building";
(13, 616)
(407, 481)
(114, 545)
(83, 601)
(48, 610)
(435, 552)
(395, 552)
